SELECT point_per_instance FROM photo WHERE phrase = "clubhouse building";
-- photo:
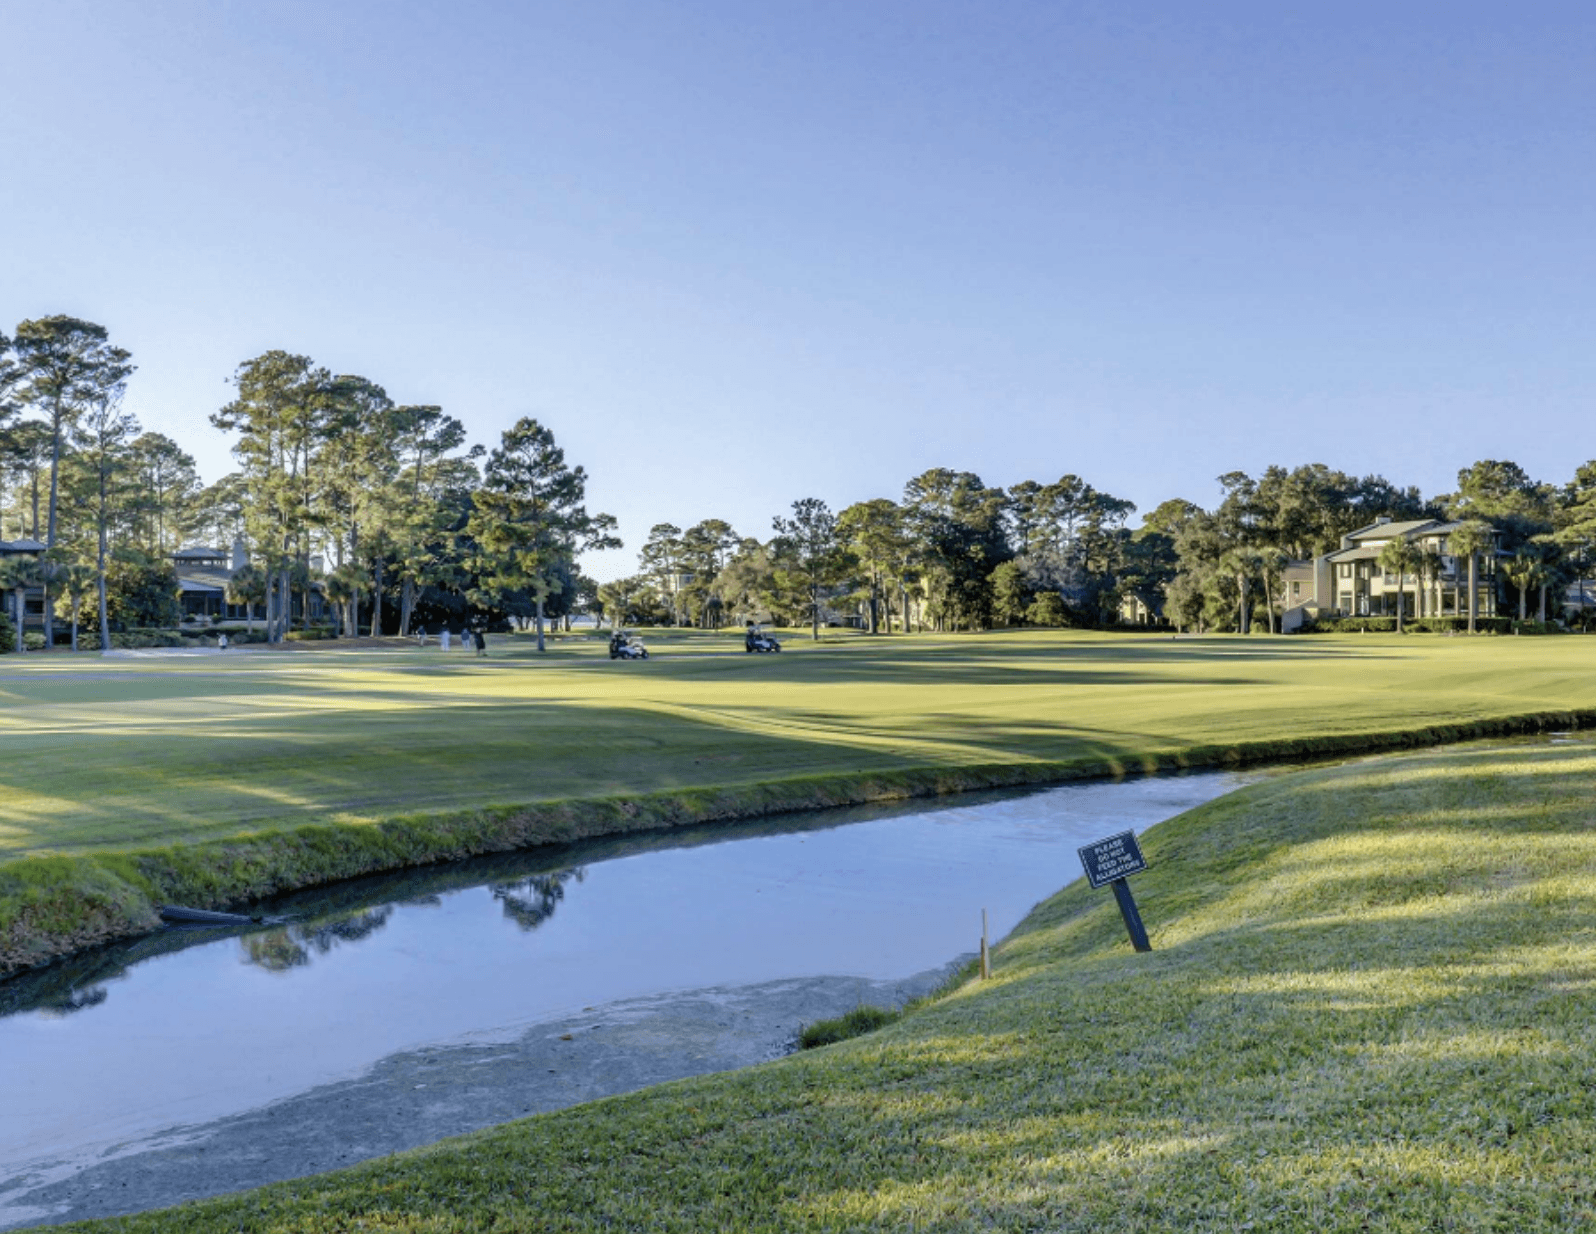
(202, 577)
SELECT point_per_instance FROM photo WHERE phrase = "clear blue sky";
(740, 253)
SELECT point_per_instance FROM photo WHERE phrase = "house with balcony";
(203, 573)
(1350, 582)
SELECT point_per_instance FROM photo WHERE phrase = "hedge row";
(1413, 625)
(314, 634)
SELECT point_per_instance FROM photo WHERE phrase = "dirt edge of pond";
(54, 905)
(428, 1094)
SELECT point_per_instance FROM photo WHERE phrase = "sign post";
(1110, 862)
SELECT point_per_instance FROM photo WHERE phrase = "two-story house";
(202, 577)
(1350, 582)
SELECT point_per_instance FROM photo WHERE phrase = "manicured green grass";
(124, 753)
(212, 780)
(1368, 1008)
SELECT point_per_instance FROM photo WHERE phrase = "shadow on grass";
(269, 772)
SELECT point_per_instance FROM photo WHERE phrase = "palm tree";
(1399, 557)
(17, 574)
(1535, 572)
(1522, 570)
(1552, 563)
(78, 580)
(247, 585)
(345, 586)
(1471, 539)
(1272, 565)
(1242, 564)
(52, 572)
(1430, 566)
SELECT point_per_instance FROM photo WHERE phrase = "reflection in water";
(291, 947)
(531, 902)
(73, 998)
(80, 981)
(77, 1000)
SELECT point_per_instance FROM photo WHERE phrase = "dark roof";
(21, 546)
(200, 553)
(1393, 529)
(1362, 553)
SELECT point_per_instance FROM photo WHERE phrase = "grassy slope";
(122, 757)
(1368, 1008)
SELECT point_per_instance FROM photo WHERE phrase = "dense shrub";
(313, 634)
(1537, 627)
(1049, 609)
(31, 641)
(8, 634)
(134, 639)
(1352, 625)
(141, 593)
(1460, 625)
(862, 1019)
(1413, 625)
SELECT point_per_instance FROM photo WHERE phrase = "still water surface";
(189, 1026)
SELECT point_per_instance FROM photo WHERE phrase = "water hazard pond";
(437, 1000)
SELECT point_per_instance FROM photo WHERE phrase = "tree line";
(386, 498)
(954, 553)
(385, 510)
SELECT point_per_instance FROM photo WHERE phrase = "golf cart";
(624, 646)
(757, 640)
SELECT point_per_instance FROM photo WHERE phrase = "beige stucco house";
(1350, 582)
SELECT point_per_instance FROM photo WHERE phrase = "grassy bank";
(215, 780)
(1367, 1009)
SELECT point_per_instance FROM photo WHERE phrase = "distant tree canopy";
(387, 511)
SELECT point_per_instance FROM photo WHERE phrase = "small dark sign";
(1111, 859)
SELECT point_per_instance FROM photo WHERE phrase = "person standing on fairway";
(482, 643)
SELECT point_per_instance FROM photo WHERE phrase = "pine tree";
(63, 366)
(528, 518)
